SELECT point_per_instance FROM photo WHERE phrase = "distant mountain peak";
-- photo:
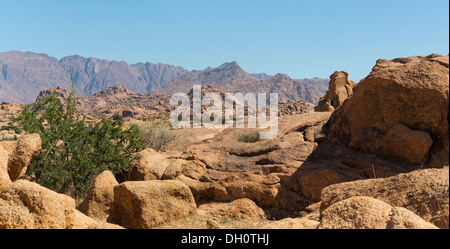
(280, 77)
(230, 66)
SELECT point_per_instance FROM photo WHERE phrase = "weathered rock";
(356, 213)
(84, 222)
(225, 170)
(150, 166)
(15, 157)
(28, 205)
(367, 139)
(173, 169)
(424, 192)
(312, 212)
(311, 183)
(198, 220)
(340, 89)
(5, 181)
(27, 147)
(100, 197)
(146, 204)
(405, 144)
(292, 223)
(314, 134)
(238, 209)
(369, 213)
(127, 113)
(402, 218)
(413, 91)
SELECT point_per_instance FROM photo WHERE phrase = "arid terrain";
(371, 155)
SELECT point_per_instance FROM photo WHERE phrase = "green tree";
(74, 152)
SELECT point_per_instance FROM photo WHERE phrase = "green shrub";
(74, 152)
(16, 129)
(157, 135)
(251, 137)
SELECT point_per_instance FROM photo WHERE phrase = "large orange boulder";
(147, 204)
(411, 91)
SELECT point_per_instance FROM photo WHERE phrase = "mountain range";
(25, 74)
(230, 77)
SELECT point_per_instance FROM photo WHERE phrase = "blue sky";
(303, 39)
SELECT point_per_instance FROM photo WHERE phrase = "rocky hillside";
(117, 100)
(231, 78)
(379, 161)
(23, 75)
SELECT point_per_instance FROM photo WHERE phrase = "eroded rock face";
(340, 89)
(15, 157)
(238, 209)
(146, 204)
(27, 147)
(150, 166)
(412, 91)
(100, 197)
(293, 223)
(406, 144)
(27, 205)
(224, 169)
(5, 180)
(424, 192)
(369, 213)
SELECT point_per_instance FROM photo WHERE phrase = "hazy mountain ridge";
(230, 77)
(25, 74)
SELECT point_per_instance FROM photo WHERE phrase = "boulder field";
(378, 159)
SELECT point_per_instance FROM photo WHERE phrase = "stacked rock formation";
(339, 90)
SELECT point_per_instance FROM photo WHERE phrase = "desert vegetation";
(74, 152)
(249, 137)
(157, 134)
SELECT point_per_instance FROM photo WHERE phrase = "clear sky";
(303, 39)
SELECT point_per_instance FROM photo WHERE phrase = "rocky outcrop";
(150, 166)
(340, 89)
(9, 107)
(100, 197)
(369, 213)
(146, 204)
(15, 157)
(291, 107)
(27, 205)
(292, 223)
(244, 209)
(27, 147)
(413, 92)
(406, 144)
(115, 101)
(225, 170)
(424, 192)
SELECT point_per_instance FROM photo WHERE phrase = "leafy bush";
(16, 129)
(157, 135)
(74, 152)
(251, 137)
